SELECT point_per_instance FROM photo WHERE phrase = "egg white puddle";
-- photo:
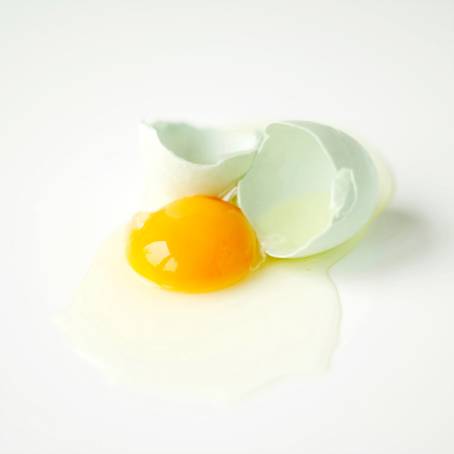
(281, 321)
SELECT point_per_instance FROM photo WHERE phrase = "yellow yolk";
(195, 244)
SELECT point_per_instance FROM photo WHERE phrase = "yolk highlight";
(195, 244)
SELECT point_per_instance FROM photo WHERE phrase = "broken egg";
(310, 188)
(304, 188)
(183, 160)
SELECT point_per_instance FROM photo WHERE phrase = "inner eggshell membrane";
(203, 145)
(288, 194)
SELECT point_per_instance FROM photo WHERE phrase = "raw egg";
(302, 189)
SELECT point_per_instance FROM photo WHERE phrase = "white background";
(75, 79)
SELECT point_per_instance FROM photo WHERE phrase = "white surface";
(75, 81)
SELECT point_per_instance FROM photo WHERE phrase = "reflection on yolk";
(195, 244)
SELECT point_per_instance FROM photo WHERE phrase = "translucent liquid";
(282, 320)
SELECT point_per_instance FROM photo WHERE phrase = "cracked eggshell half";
(311, 187)
(182, 160)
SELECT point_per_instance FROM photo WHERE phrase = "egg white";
(282, 320)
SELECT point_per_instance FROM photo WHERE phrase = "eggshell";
(311, 187)
(182, 159)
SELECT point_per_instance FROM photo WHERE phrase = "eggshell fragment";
(183, 160)
(311, 187)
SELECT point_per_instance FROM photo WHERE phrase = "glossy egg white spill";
(283, 320)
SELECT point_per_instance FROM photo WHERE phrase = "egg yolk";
(195, 244)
